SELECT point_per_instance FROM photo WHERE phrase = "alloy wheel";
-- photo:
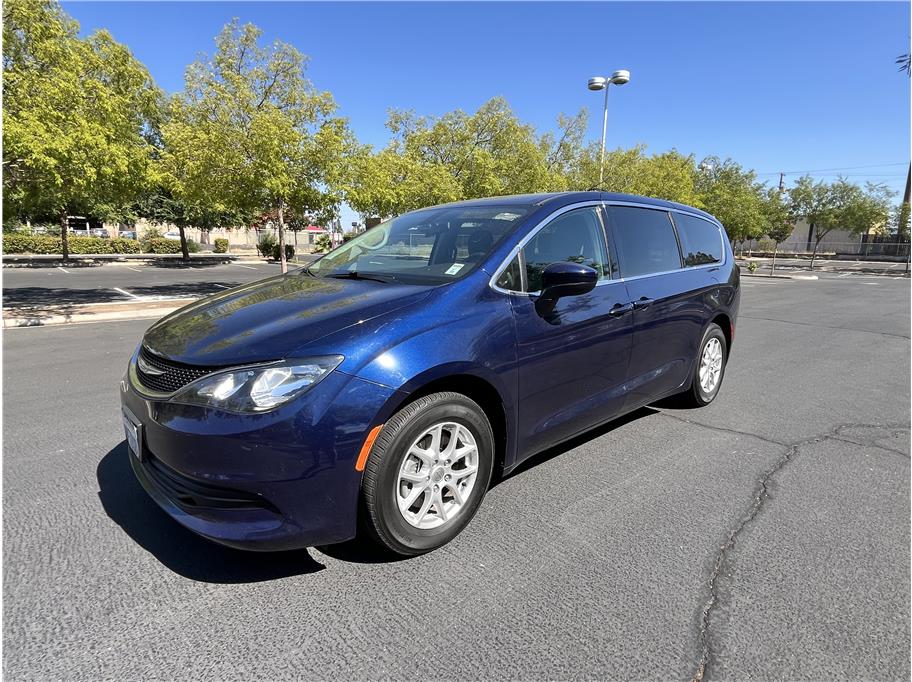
(437, 475)
(711, 365)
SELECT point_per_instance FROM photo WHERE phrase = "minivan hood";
(269, 319)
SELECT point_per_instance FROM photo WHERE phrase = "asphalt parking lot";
(61, 286)
(764, 537)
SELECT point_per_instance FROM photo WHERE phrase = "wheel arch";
(725, 323)
(481, 390)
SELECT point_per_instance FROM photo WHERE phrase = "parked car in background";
(383, 386)
(127, 234)
(172, 234)
(99, 232)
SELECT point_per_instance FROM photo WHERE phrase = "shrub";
(192, 246)
(121, 245)
(147, 237)
(86, 245)
(323, 243)
(221, 246)
(41, 244)
(289, 252)
(266, 245)
(19, 243)
(162, 246)
(752, 266)
(348, 236)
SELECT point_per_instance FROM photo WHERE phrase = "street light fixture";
(601, 83)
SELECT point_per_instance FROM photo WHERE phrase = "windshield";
(431, 246)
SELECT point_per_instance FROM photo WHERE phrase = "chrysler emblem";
(146, 368)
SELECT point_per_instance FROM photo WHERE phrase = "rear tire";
(427, 473)
(709, 368)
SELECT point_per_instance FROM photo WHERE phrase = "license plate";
(132, 428)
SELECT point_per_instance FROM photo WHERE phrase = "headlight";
(257, 389)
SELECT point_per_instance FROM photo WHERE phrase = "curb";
(104, 312)
(809, 278)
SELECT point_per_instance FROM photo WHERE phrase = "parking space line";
(243, 266)
(221, 286)
(130, 267)
(127, 293)
(64, 269)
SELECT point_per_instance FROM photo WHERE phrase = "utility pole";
(781, 181)
(907, 195)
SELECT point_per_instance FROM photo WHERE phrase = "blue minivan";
(377, 391)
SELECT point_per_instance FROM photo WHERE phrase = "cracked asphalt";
(764, 537)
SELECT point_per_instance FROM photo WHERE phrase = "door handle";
(642, 303)
(617, 310)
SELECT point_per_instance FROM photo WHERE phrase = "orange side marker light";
(366, 448)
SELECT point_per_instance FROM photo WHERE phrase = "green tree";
(838, 205)
(250, 133)
(776, 220)
(669, 175)
(77, 117)
(733, 195)
(901, 221)
(461, 156)
(389, 183)
(161, 207)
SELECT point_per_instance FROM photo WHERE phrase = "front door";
(572, 363)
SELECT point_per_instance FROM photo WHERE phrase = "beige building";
(242, 239)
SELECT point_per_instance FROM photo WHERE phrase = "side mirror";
(564, 279)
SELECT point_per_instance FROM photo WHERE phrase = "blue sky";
(776, 86)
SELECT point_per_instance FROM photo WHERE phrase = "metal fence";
(857, 249)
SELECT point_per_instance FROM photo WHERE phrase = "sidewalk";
(24, 316)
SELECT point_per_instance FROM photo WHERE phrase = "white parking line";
(221, 286)
(64, 269)
(130, 267)
(127, 293)
(243, 266)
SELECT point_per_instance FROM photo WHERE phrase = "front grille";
(174, 374)
(192, 494)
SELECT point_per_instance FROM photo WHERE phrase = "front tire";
(427, 473)
(709, 369)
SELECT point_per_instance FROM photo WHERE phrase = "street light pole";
(604, 134)
(601, 83)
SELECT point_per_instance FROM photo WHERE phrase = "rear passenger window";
(645, 241)
(700, 240)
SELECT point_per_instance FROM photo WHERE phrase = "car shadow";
(575, 442)
(360, 552)
(182, 551)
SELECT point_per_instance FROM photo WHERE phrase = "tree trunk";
(184, 250)
(281, 216)
(775, 250)
(64, 237)
(814, 254)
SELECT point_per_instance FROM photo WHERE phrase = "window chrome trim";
(492, 283)
(719, 229)
(525, 240)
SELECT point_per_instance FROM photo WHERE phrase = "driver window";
(576, 237)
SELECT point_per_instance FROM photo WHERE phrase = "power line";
(841, 168)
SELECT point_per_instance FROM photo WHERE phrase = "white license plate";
(132, 429)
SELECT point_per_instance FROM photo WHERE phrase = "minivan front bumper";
(280, 480)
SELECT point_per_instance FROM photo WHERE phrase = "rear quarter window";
(701, 240)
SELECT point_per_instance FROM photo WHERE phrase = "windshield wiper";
(354, 274)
